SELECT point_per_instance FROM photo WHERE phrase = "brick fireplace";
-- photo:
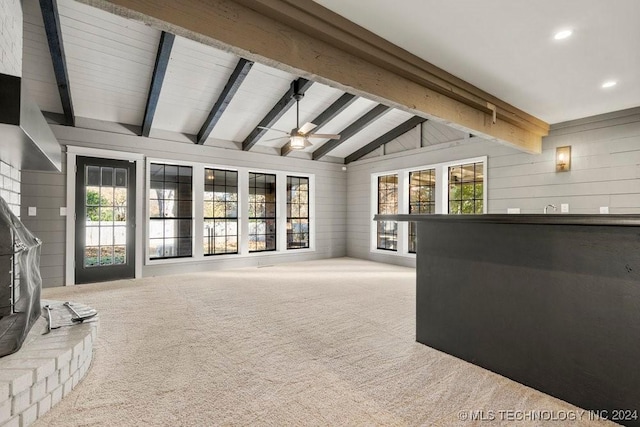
(20, 283)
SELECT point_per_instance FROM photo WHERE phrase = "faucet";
(550, 206)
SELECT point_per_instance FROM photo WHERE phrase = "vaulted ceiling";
(97, 66)
(218, 72)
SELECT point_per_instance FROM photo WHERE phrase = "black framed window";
(220, 212)
(387, 236)
(422, 199)
(170, 211)
(297, 212)
(262, 212)
(466, 188)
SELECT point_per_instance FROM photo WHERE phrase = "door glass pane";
(91, 256)
(93, 176)
(107, 177)
(120, 235)
(121, 177)
(93, 213)
(120, 215)
(119, 254)
(106, 255)
(106, 215)
(106, 236)
(92, 236)
(92, 196)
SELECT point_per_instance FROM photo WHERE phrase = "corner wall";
(605, 172)
(47, 192)
(11, 64)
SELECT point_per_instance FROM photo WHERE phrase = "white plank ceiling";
(507, 48)
(111, 61)
(37, 70)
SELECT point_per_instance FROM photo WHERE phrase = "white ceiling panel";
(316, 99)
(375, 129)
(196, 75)
(37, 68)
(408, 141)
(353, 112)
(110, 61)
(507, 48)
(259, 92)
(436, 133)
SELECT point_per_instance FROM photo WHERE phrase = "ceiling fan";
(299, 136)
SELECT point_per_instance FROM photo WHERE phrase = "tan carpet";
(315, 343)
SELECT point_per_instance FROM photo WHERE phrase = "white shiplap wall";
(11, 37)
(47, 192)
(605, 172)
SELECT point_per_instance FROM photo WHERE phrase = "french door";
(105, 219)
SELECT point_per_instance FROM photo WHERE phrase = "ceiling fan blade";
(324, 135)
(276, 130)
(306, 128)
(273, 139)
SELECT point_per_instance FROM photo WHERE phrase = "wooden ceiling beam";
(325, 117)
(286, 101)
(302, 37)
(157, 78)
(312, 18)
(52, 27)
(233, 84)
(350, 130)
(387, 137)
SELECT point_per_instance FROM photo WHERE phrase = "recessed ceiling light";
(610, 83)
(562, 34)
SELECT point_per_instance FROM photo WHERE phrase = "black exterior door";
(105, 219)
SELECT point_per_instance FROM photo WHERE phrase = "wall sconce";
(563, 159)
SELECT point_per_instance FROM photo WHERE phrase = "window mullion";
(198, 208)
(442, 188)
(403, 208)
(243, 211)
(281, 213)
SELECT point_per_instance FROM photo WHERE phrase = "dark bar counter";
(550, 301)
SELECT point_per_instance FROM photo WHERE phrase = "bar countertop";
(549, 219)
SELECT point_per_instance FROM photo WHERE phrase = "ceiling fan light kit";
(297, 142)
(299, 136)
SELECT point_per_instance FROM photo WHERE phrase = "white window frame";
(241, 205)
(441, 199)
(194, 208)
(243, 213)
(311, 205)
